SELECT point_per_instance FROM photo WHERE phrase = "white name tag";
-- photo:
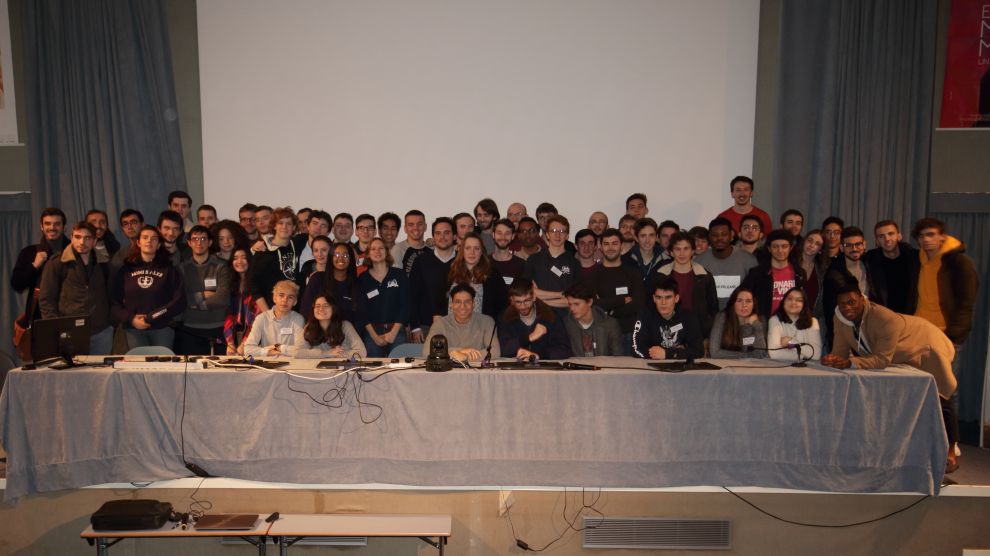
(210, 282)
(677, 327)
(624, 290)
(749, 340)
(725, 284)
(285, 330)
(373, 293)
(508, 280)
(556, 271)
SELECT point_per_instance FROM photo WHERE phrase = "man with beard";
(627, 227)
(131, 221)
(503, 259)
(527, 238)
(170, 226)
(105, 244)
(893, 267)
(750, 233)
(618, 287)
(245, 216)
(428, 280)
(486, 214)
(741, 188)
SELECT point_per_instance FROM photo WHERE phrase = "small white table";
(291, 528)
(105, 539)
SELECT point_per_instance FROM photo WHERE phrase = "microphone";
(800, 362)
(487, 359)
(579, 366)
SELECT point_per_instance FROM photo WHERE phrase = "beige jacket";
(887, 338)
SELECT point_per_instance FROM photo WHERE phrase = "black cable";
(826, 526)
(568, 521)
(199, 507)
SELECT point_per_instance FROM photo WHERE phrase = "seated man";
(664, 330)
(469, 334)
(276, 330)
(529, 327)
(871, 336)
(591, 331)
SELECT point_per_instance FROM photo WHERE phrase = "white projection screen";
(389, 105)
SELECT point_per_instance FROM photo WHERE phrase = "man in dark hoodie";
(529, 327)
(664, 330)
(31, 260)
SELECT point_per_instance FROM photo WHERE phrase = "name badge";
(285, 330)
(749, 340)
(210, 282)
(556, 271)
(508, 280)
(624, 290)
(677, 327)
(373, 293)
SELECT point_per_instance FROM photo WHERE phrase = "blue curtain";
(103, 127)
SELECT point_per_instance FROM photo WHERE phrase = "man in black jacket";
(770, 280)
(530, 329)
(893, 267)
(618, 287)
(428, 280)
(31, 260)
(845, 268)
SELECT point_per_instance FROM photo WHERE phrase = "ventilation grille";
(652, 533)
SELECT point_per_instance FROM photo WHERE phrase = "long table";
(748, 424)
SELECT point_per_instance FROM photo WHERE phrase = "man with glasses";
(365, 227)
(843, 270)
(554, 269)
(528, 241)
(832, 234)
(131, 221)
(246, 217)
(206, 279)
(529, 329)
(750, 233)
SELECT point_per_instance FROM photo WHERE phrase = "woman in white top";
(274, 331)
(793, 326)
(328, 335)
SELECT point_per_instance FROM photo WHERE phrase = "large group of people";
(279, 282)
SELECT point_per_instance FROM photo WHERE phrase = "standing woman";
(382, 301)
(473, 267)
(321, 253)
(793, 325)
(328, 335)
(337, 281)
(814, 261)
(230, 237)
(147, 292)
(738, 332)
(242, 309)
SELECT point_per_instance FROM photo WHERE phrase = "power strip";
(158, 365)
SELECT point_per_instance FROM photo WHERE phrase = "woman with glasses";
(328, 335)
(147, 292)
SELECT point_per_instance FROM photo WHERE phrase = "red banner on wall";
(966, 91)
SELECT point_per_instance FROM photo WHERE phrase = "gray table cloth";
(749, 424)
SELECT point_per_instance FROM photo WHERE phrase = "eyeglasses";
(856, 245)
(557, 231)
(751, 227)
(199, 239)
(341, 255)
(366, 228)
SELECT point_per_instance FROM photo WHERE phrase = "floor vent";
(654, 533)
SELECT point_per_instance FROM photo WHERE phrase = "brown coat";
(892, 339)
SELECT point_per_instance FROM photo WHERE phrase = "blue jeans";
(151, 337)
(101, 343)
(374, 350)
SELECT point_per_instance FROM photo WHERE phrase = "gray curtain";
(19, 230)
(855, 107)
(104, 131)
(973, 229)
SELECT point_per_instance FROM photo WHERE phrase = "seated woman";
(275, 331)
(738, 332)
(327, 334)
(242, 308)
(468, 332)
(793, 326)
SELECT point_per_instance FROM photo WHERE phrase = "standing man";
(627, 227)
(554, 269)
(598, 223)
(170, 226)
(793, 221)
(769, 282)
(727, 264)
(31, 261)
(388, 228)
(844, 269)
(832, 233)
(503, 259)
(463, 225)
(131, 222)
(636, 206)
(947, 282)
(246, 217)
(695, 285)
(343, 227)
(665, 230)
(527, 242)
(405, 252)
(516, 212)
(428, 280)
(206, 280)
(206, 215)
(587, 245)
(741, 188)
(263, 223)
(181, 202)
(618, 287)
(365, 227)
(870, 336)
(893, 266)
(751, 232)
(648, 255)
(77, 282)
(318, 225)
(486, 214)
(105, 241)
